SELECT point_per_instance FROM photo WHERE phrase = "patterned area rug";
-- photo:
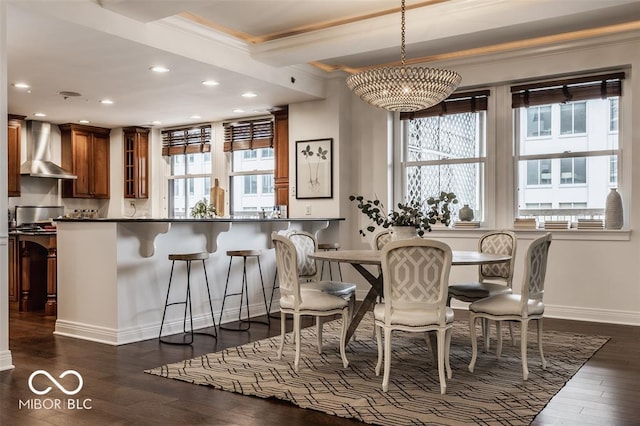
(494, 394)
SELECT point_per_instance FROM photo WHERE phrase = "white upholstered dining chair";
(522, 308)
(381, 239)
(493, 279)
(306, 299)
(416, 273)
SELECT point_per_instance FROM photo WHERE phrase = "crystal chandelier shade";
(403, 88)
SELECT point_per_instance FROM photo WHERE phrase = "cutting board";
(217, 198)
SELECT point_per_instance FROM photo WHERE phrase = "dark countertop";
(217, 219)
(47, 232)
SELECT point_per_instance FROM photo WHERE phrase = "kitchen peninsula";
(113, 273)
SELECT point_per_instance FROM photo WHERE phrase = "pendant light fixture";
(402, 88)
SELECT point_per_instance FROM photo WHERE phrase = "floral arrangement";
(409, 214)
(203, 210)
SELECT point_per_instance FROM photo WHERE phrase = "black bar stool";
(244, 325)
(188, 257)
(326, 247)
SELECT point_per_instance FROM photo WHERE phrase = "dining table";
(359, 259)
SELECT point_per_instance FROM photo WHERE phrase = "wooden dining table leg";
(369, 300)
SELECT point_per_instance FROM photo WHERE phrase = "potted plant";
(203, 210)
(410, 214)
(440, 208)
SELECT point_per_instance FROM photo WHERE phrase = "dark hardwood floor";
(605, 391)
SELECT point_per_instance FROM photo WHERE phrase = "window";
(249, 154)
(250, 184)
(250, 144)
(573, 170)
(613, 114)
(573, 118)
(539, 172)
(189, 179)
(444, 150)
(572, 174)
(539, 121)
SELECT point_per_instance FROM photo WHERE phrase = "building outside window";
(252, 181)
(538, 172)
(445, 150)
(571, 171)
(189, 157)
(539, 121)
(573, 118)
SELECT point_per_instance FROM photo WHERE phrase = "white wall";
(5, 353)
(591, 276)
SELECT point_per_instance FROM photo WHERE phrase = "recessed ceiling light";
(156, 122)
(249, 95)
(238, 110)
(210, 83)
(84, 121)
(106, 101)
(160, 69)
(40, 114)
(195, 117)
(21, 85)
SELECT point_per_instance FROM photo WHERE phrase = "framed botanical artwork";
(314, 168)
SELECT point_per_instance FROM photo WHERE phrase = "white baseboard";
(6, 362)
(608, 316)
(114, 337)
(593, 314)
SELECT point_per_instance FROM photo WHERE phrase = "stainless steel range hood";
(39, 162)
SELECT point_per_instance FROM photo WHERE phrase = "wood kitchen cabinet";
(14, 272)
(14, 136)
(281, 152)
(85, 151)
(136, 162)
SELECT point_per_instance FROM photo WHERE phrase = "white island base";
(113, 274)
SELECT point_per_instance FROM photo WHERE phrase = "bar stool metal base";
(244, 324)
(326, 247)
(187, 302)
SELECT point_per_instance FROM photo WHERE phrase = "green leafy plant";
(440, 208)
(203, 210)
(409, 214)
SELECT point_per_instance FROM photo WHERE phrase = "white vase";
(402, 232)
(613, 210)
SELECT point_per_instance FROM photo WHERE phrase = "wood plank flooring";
(605, 391)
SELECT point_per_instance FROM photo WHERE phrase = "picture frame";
(314, 168)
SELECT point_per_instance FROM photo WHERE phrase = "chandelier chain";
(402, 49)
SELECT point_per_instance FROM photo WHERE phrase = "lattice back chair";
(416, 274)
(522, 307)
(381, 239)
(299, 300)
(493, 279)
(305, 244)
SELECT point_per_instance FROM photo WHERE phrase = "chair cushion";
(470, 292)
(314, 300)
(411, 317)
(506, 304)
(335, 288)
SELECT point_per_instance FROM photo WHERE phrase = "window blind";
(456, 103)
(253, 134)
(568, 90)
(186, 140)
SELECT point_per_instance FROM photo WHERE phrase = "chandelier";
(403, 88)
